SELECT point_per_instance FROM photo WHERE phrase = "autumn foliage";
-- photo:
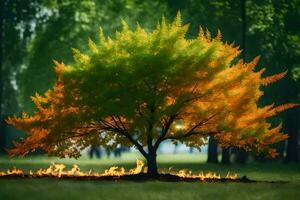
(136, 88)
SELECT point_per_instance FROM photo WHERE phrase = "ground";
(154, 190)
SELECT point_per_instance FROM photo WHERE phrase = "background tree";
(130, 87)
(212, 150)
(274, 29)
(16, 27)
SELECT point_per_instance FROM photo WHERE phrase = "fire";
(59, 171)
(231, 175)
(204, 176)
(139, 167)
(14, 171)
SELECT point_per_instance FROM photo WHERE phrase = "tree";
(133, 90)
(212, 150)
(16, 27)
(274, 30)
(225, 156)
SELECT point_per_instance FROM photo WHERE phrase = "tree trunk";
(2, 122)
(212, 153)
(292, 128)
(292, 149)
(225, 156)
(241, 156)
(2, 135)
(152, 165)
(244, 28)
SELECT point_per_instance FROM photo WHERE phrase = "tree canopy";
(68, 23)
(141, 88)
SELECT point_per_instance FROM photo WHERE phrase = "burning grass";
(59, 171)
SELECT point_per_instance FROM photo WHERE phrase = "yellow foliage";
(271, 79)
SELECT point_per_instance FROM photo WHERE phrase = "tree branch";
(122, 124)
(123, 131)
(191, 131)
(188, 135)
(74, 135)
(136, 143)
(165, 131)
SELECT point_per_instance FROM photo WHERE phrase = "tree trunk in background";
(260, 158)
(2, 122)
(244, 28)
(241, 156)
(212, 153)
(2, 136)
(225, 156)
(291, 128)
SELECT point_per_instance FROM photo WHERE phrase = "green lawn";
(64, 189)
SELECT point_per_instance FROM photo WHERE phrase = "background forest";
(35, 32)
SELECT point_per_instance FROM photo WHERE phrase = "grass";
(66, 189)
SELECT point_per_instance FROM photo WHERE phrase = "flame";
(203, 176)
(231, 175)
(14, 171)
(59, 171)
(209, 175)
(139, 167)
(115, 171)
